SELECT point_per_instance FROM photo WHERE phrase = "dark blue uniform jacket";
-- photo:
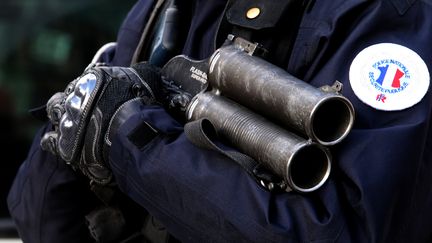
(380, 187)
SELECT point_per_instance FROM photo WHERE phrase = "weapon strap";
(168, 21)
(145, 36)
(202, 133)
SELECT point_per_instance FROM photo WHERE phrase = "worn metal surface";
(303, 164)
(326, 117)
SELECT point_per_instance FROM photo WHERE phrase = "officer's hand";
(86, 115)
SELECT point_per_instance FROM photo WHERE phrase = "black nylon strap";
(201, 133)
(146, 34)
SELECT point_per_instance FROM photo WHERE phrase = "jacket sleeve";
(379, 187)
(200, 194)
(48, 200)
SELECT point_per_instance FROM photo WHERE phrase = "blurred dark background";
(44, 44)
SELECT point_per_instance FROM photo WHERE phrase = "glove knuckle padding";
(120, 86)
(87, 114)
(77, 106)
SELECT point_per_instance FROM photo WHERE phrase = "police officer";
(379, 187)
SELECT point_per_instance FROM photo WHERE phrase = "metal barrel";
(326, 117)
(303, 164)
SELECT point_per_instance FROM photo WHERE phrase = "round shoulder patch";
(389, 77)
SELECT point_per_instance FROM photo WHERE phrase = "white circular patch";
(389, 77)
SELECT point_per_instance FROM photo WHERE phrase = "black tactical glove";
(87, 114)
